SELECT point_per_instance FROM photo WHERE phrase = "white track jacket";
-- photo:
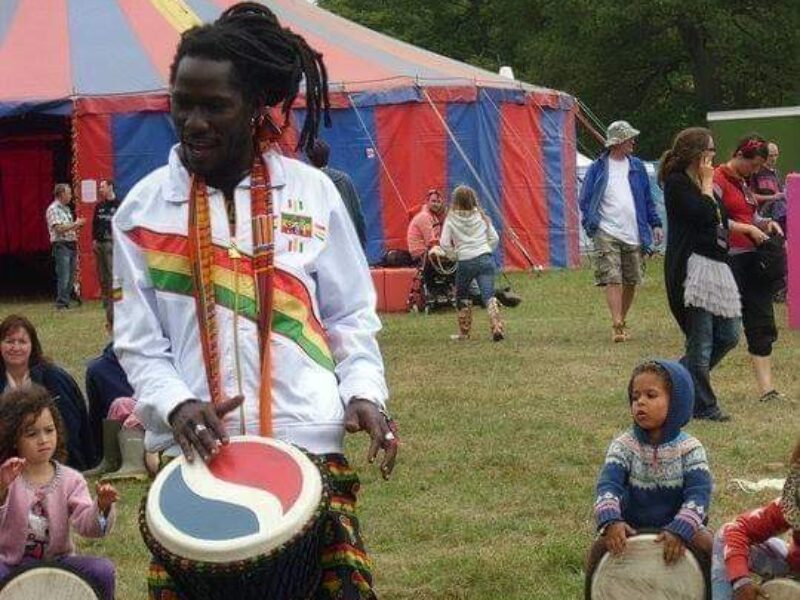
(324, 350)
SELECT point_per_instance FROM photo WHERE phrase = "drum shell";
(782, 588)
(290, 571)
(58, 582)
(700, 567)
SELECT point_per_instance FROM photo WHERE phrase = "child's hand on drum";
(673, 546)
(617, 536)
(750, 591)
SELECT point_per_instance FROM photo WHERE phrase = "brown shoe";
(619, 334)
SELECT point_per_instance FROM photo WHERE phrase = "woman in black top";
(22, 362)
(701, 290)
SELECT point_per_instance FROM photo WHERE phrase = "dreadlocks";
(269, 62)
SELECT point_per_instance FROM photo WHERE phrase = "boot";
(131, 445)
(464, 321)
(111, 457)
(495, 322)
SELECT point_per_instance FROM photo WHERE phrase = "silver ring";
(199, 428)
(389, 436)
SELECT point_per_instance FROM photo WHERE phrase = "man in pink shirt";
(426, 226)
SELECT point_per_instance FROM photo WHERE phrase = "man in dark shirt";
(318, 156)
(101, 237)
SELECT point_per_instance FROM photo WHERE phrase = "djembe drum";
(52, 581)
(782, 588)
(247, 525)
(640, 573)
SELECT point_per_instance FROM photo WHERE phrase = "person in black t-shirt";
(101, 237)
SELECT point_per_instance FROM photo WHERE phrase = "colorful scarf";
(201, 256)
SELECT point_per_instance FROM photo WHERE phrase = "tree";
(661, 64)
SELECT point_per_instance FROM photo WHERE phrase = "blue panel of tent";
(552, 124)
(141, 144)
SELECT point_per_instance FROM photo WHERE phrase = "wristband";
(741, 582)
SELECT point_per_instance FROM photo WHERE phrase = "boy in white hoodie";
(469, 236)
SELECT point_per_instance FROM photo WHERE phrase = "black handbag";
(771, 258)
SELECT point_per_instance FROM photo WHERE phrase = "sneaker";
(772, 396)
(458, 337)
(714, 415)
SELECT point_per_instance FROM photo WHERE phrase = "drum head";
(51, 581)
(782, 589)
(251, 498)
(641, 573)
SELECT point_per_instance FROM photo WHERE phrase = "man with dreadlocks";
(241, 280)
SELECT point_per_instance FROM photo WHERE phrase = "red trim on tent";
(123, 104)
(569, 158)
(39, 29)
(453, 94)
(524, 194)
(406, 133)
(158, 38)
(95, 150)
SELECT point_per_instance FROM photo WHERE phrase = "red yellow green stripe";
(293, 314)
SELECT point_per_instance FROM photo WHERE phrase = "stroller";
(433, 286)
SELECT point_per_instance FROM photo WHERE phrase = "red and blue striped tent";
(404, 119)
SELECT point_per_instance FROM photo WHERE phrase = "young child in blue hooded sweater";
(655, 476)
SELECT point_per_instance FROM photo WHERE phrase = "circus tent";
(404, 120)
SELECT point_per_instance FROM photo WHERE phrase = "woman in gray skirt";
(701, 290)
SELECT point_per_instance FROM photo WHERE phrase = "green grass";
(501, 443)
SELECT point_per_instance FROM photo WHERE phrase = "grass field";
(501, 443)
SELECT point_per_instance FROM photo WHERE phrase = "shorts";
(616, 262)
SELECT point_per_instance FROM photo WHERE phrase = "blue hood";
(681, 402)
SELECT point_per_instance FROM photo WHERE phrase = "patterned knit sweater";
(664, 486)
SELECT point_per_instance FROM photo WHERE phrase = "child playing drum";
(40, 497)
(750, 543)
(655, 476)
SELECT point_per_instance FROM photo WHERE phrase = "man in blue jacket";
(618, 213)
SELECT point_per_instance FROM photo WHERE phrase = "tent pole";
(506, 229)
(584, 121)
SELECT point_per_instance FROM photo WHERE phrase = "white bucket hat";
(618, 132)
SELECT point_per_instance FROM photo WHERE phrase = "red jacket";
(753, 528)
(739, 202)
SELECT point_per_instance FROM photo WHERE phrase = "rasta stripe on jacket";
(293, 315)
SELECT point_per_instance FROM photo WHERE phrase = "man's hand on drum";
(673, 546)
(363, 415)
(617, 535)
(198, 427)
